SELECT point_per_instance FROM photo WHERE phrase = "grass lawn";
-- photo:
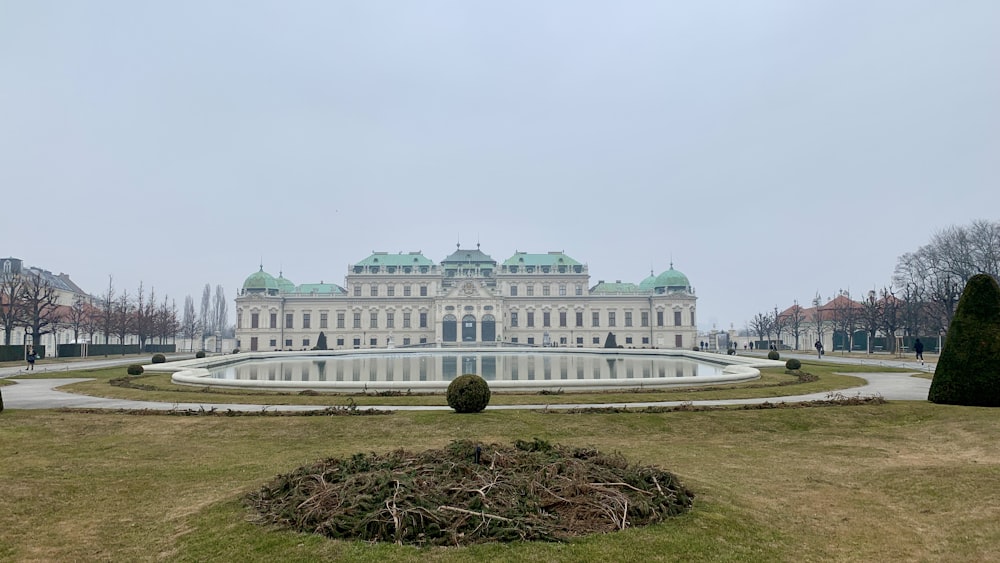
(902, 481)
(773, 382)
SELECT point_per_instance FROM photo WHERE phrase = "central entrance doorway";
(468, 328)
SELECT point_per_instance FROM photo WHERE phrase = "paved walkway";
(41, 393)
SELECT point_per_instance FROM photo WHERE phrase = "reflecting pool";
(422, 371)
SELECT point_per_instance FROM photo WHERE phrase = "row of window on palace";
(390, 290)
(515, 320)
(373, 342)
(529, 290)
(324, 320)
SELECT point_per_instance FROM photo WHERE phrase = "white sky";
(772, 149)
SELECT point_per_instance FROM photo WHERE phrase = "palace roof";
(556, 258)
(401, 259)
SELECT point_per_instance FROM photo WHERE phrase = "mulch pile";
(529, 491)
(831, 400)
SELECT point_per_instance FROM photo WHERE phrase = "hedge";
(75, 350)
(16, 353)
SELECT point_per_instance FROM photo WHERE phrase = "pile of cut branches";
(831, 400)
(530, 491)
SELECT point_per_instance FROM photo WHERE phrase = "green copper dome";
(260, 281)
(672, 280)
(284, 284)
(648, 284)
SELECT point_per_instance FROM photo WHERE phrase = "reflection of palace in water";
(445, 367)
(406, 300)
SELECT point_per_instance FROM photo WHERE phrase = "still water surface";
(443, 367)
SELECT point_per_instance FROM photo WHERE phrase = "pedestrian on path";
(918, 347)
(31, 359)
(819, 349)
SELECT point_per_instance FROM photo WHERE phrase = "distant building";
(466, 299)
(839, 324)
(66, 292)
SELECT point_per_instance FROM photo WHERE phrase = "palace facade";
(406, 299)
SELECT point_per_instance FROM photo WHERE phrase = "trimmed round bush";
(200, 354)
(159, 358)
(793, 364)
(773, 355)
(468, 393)
(134, 369)
(236, 350)
(696, 349)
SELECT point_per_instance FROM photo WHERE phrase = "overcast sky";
(771, 149)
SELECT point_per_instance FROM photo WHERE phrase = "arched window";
(489, 329)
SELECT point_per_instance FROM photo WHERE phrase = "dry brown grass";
(898, 482)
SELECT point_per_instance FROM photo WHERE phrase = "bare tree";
(778, 324)
(913, 310)
(891, 316)
(761, 324)
(124, 318)
(165, 321)
(91, 322)
(157, 332)
(108, 311)
(190, 327)
(845, 317)
(962, 252)
(142, 315)
(41, 306)
(220, 313)
(140, 321)
(871, 317)
(173, 325)
(939, 270)
(207, 322)
(794, 318)
(76, 316)
(819, 317)
(11, 304)
(943, 294)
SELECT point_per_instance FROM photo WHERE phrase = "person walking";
(918, 347)
(819, 349)
(31, 359)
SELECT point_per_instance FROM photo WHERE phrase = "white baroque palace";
(406, 299)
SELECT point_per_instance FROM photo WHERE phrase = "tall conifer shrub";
(968, 372)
